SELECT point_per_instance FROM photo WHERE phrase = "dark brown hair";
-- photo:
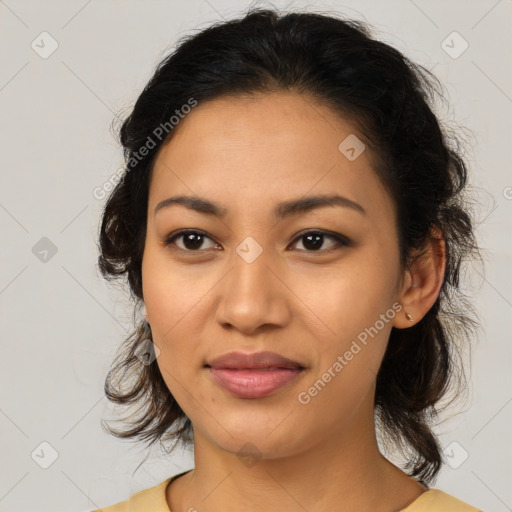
(391, 101)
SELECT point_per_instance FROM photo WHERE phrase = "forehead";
(263, 149)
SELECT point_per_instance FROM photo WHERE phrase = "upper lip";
(241, 360)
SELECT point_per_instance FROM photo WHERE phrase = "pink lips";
(253, 375)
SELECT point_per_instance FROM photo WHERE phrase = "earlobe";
(423, 283)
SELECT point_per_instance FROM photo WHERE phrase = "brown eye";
(313, 241)
(192, 240)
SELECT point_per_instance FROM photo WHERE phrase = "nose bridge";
(252, 266)
(252, 295)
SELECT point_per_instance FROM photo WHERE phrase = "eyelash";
(342, 241)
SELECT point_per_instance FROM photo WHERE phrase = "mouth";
(253, 361)
(257, 369)
(253, 375)
(254, 382)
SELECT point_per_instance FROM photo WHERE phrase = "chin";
(256, 442)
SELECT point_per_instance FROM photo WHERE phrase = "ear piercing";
(409, 317)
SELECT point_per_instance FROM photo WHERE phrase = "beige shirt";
(153, 499)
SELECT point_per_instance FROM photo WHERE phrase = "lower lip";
(254, 383)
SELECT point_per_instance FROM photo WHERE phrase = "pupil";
(316, 244)
(189, 241)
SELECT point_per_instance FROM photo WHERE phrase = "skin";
(248, 154)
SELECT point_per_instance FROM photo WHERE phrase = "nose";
(253, 295)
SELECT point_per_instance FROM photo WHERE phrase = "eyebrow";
(282, 210)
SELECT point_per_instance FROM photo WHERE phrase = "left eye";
(315, 239)
(193, 240)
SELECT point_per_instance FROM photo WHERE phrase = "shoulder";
(435, 500)
(148, 499)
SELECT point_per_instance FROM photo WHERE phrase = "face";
(317, 286)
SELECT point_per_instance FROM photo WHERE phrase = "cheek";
(171, 301)
(349, 315)
(172, 293)
(342, 301)
(348, 356)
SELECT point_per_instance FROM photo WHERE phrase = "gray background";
(61, 324)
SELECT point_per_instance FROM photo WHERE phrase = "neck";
(345, 471)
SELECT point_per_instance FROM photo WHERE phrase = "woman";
(291, 218)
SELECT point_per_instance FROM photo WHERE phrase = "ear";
(422, 282)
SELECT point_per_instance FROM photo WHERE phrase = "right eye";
(192, 240)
